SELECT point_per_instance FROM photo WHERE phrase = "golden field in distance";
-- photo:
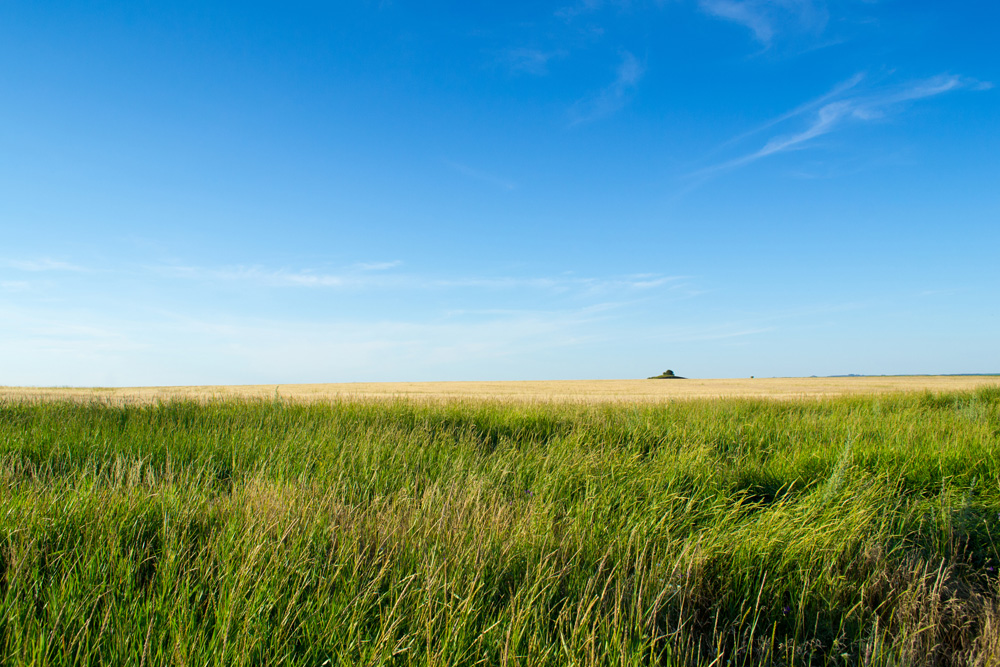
(570, 391)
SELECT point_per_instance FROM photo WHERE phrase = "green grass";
(856, 531)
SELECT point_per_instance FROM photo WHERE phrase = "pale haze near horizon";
(244, 193)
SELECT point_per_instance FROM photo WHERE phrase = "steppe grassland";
(850, 530)
(562, 391)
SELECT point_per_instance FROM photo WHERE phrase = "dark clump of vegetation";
(667, 375)
(855, 531)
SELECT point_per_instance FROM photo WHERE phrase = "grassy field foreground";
(856, 530)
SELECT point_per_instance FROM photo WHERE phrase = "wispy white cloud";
(378, 266)
(372, 276)
(613, 97)
(592, 309)
(103, 348)
(713, 333)
(938, 292)
(649, 282)
(529, 61)
(283, 279)
(482, 176)
(578, 8)
(765, 18)
(261, 276)
(14, 285)
(744, 13)
(842, 106)
(565, 283)
(38, 265)
(474, 326)
(837, 91)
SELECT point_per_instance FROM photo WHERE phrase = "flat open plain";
(569, 391)
(527, 524)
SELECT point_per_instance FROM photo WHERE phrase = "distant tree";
(666, 375)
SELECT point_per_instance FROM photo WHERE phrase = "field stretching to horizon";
(571, 391)
(274, 528)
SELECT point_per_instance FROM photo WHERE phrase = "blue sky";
(256, 192)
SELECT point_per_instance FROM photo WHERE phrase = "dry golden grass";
(570, 391)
